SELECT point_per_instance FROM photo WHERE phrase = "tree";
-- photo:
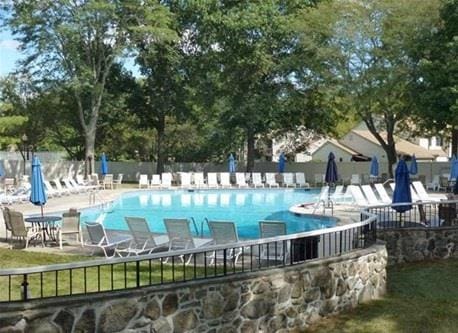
(77, 42)
(437, 77)
(241, 59)
(366, 46)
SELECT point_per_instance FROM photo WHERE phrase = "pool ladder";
(196, 228)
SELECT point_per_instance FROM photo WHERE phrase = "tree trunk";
(160, 128)
(455, 141)
(392, 158)
(250, 152)
(89, 138)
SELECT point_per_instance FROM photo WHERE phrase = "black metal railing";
(426, 214)
(104, 275)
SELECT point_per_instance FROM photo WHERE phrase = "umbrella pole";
(41, 210)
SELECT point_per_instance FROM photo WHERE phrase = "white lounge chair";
(61, 189)
(288, 179)
(166, 180)
(143, 240)
(212, 180)
(185, 179)
(270, 180)
(225, 180)
(423, 195)
(340, 195)
(371, 197)
(100, 239)
(240, 179)
(143, 181)
(300, 180)
(274, 251)
(358, 196)
(180, 237)
(51, 191)
(383, 194)
(199, 180)
(257, 179)
(224, 232)
(155, 181)
(71, 188)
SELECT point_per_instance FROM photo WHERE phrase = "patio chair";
(319, 179)
(143, 240)
(199, 180)
(224, 232)
(288, 179)
(225, 180)
(273, 251)
(434, 184)
(240, 180)
(355, 179)
(212, 180)
(155, 180)
(8, 185)
(257, 179)
(166, 180)
(300, 180)
(143, 181)
(107, 181)
(100, 239)
(20, 231)
(118, 180)
(180, 237)
(70, 225)
(6, 219)
(270, 180)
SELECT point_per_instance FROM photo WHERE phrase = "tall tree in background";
(77, 42)
(437, 83)
(366, 45)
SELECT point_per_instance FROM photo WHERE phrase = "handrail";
(196, 229)
(158, 255)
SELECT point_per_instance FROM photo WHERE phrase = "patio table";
(46, 223)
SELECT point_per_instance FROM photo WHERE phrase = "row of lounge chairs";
(141, 240)
(223, 180)
(365, 195)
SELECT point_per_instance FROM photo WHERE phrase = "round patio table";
(46, 223)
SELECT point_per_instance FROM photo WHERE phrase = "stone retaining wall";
(277, 300)
(417, 244)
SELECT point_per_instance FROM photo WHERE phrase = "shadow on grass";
(421, 297)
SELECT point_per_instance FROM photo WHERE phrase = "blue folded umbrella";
(231, 163)
(374, 167)
(331, 175)
(103, 164)
(281, 163)
(402, 192)
(413, 166)
(37, 191)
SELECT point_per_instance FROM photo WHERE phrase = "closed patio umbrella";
(454, 168)
(231, 163)
(374, 167)
(413, 166)
(103, 164)
(281, 163)
(37, 191)
(2, 171)
(401, 192)
(331, 176)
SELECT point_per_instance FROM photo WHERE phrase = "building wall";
(364, 146)
(321, 154)
(268, 301)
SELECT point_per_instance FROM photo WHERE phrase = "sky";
(9, 53)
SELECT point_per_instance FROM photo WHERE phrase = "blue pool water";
(245, 207)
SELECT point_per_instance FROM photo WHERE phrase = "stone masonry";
(417, 244)
(278, 300)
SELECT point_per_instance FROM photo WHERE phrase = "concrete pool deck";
(345, 213)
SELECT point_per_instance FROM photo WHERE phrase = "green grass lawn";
(93, 279)
(422, 297)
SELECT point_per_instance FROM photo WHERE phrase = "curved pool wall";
(245, 207)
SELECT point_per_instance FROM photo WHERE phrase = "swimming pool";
(245, 207)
